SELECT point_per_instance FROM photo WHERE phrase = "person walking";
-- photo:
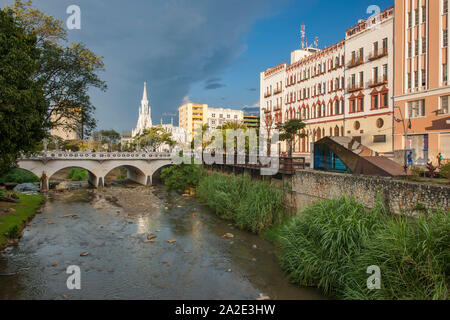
(410, 160)
(440, 158)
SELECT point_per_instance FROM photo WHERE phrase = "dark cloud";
(214, 86)
(171, 44)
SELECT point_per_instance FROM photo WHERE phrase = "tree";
(289, 130)
(66, 72)
(110, 137)
(22, 103)
(154, 137)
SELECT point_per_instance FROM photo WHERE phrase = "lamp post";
(405, 134)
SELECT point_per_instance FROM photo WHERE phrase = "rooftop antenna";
(302, 32)
(316, 42)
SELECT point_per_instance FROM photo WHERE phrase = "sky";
(202, 51)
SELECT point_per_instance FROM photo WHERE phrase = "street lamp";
(405, 132)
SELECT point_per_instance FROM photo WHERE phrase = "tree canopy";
(154, 137)
(67, 72)
(22, 104)
(289, 130)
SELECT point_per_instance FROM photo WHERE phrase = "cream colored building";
(192, 117)
(219, 116)
(66, 129)
(369, 52)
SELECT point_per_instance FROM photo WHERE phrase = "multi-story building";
(343, 90)
(219, 116)
(369, 56)
(192, 117)
(421, 79)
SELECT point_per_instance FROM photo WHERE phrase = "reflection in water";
(122, 264)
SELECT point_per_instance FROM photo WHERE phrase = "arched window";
(336, 131)
(336, 107)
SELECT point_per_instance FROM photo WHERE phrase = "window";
(409, 80)
(375, 102)
(352, 106)
(361, 104)
(379, 138)
(424, 45)
(356, 125)
(445, 6)
(424, 14)
(416, 79)
(409, 19)
(416, 48)
(409, 49)
(213, 115)
(444, 73)
(361, 79)
(424, 78)
(444, 105)
(385, 72)
(445, 38)
(416, 109)
(416, 14)
(385, 100)
(385, 45)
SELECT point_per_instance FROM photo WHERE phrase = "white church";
(145, 122)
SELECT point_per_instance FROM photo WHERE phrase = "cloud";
(171, 44)
(214, 86)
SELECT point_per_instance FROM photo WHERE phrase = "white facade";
(219, 116)
(369, 49)
(179, 135)
(145, 117)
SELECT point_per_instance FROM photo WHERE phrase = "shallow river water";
(122, 264)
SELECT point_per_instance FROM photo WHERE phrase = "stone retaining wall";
(399, 196)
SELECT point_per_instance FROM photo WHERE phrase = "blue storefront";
(327, 160)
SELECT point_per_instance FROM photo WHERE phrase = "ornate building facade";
(145, 117)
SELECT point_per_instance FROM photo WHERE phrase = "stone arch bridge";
(140, 166)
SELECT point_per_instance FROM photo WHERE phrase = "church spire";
(144, 96)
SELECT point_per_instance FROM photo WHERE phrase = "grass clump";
(414, 257)
(251, 205)
(76, 174)
(182, 177)
(319, 246)
(19, 176)
(12, 223)
(332, 244)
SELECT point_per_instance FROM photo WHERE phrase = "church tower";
(145, 118)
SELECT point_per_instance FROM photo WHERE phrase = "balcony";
(277, 108)
(355, 62)
(278, 91)
(352, 87)
(267, 94)
(378, 54)
(378, 81)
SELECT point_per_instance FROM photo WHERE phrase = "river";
(112, 226)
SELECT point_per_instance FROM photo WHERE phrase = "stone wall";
(399, 196)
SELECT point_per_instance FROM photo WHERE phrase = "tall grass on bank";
(319, 246)
(333, 242)
(251, 205)
(414, 257)
(182, 177)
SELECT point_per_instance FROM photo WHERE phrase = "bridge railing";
(60, 155)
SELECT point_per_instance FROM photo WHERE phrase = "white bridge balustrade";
(140, 166)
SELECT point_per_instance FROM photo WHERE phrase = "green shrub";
(414, 257)
(76, 174)
(445, 171)
(19, 176)
(320, 245)
(252, 205)
(182, 177)
(13, 232)
(418, 172)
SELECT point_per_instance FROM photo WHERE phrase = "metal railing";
(60, 155)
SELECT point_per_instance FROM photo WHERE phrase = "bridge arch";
(134, 173)
(93, 178)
